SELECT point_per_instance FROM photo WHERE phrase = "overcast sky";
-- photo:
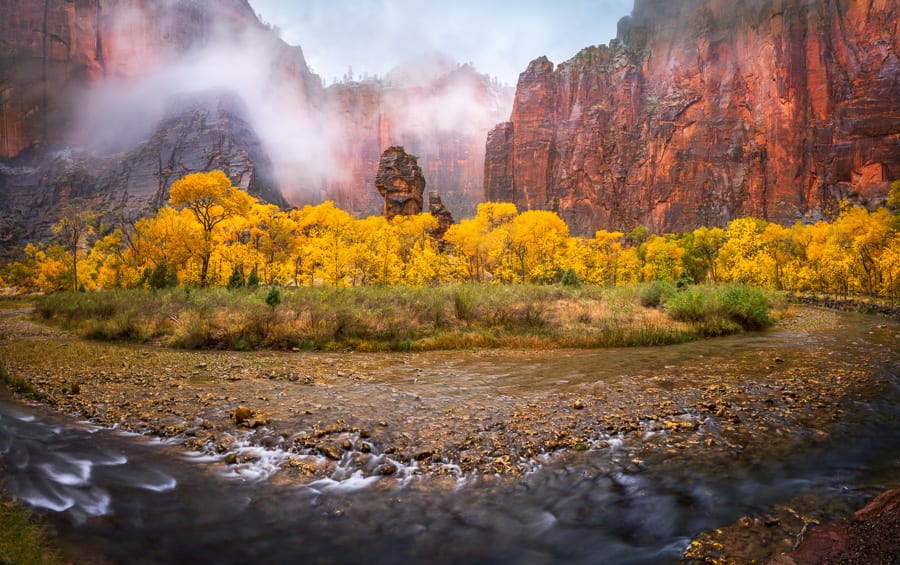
(499, 37)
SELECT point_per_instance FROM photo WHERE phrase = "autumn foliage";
(214, 234)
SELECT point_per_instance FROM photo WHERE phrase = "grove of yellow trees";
(212, 233)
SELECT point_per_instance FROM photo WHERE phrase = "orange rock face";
(706, 110)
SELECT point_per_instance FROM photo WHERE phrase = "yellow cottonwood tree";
(481, 240)
(328, 239)
(532, 247)
(211, 199)
(164, 239)
(662, 259)
(744, 257)
(74, 228)
(106, 262)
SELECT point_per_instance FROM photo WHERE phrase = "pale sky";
(500, 37)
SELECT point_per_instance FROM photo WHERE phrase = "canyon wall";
(108, 102)
(51, 52)
(706, 110)
(200, 132)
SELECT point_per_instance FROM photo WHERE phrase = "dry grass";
(403, 319)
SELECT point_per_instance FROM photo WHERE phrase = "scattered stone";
(330, 452)
(242, 414)
(578, 404)
(427, 454)
(387, 469)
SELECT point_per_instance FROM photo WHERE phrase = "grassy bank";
(22, 540)
(19, 385)
(402, 319)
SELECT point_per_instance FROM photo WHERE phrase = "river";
(621, 498)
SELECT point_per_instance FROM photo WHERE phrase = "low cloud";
(150, 60)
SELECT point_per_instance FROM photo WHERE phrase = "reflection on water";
(638, 500)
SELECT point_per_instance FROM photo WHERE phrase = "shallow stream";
(626, 498)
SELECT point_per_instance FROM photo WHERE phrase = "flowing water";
(638, 498)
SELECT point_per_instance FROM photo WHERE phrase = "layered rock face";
(400, 183)
(443, 122)
(437, 209)
(50, 51)
(199, 132)
(101, 101)
(705, 110)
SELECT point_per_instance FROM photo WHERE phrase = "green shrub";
(19, 385)
(161, 277)
(693, 304)
(253, 278)
(236, 280)
(747, 306)
(569, 278)
(465, 303)
(654, 294)
(273, 297)
(721, 310)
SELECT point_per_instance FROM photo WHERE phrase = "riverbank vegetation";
(214, 234)
(23, 541)
(18, 385)
(378, 318)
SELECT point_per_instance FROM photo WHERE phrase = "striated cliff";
(106, 102)
(200, 132)
(705, 110)
(51, 52)
(103, 99)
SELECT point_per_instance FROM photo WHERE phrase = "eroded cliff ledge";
(705, 110)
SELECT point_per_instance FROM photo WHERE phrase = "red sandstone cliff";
(109, 101)
(706, 110)
(50, 51)
(92, 80)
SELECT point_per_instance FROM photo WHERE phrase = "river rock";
(242, 414)
(872, 536)
(331, 452)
